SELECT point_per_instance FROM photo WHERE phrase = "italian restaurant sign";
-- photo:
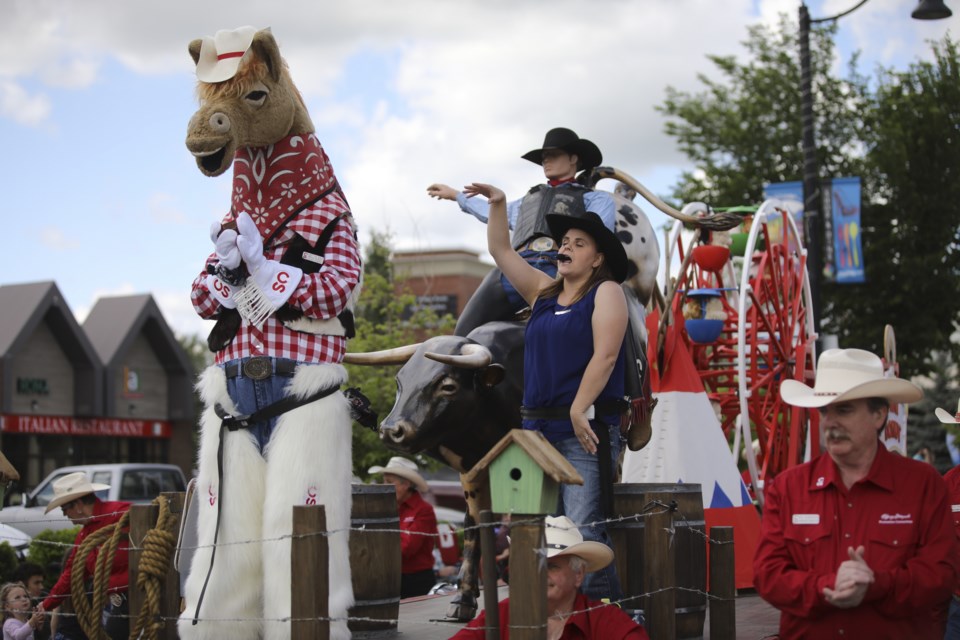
(69, 426)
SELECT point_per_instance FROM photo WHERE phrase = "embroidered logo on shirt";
(560, 313)
(896, 518)
(806, 518)
(955, 507)
(820, 481)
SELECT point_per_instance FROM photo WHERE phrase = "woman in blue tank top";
(573, 357)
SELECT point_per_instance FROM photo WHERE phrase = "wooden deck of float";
(421, 619)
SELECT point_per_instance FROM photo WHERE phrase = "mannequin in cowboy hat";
(570, 613)
(858, 540)
(574, 358)
(76, 496)
(562, 155)
(418, 523)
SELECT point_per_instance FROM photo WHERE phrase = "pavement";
(423, 619)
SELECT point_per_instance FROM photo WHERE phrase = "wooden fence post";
(143, 518)
(528, 579)
(658, 554)
(723, 609)
(310, 573)
(488, 552)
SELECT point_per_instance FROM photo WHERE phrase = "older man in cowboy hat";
(571, 615)
(857, 542)
(562, 155)
(76, 497)
(418, 523)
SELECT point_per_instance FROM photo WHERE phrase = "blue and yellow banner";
(845, 230)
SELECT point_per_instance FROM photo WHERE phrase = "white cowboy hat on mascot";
(848, 374)
(945, 416)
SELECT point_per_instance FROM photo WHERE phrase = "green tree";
(744, 130)
(382, 323)
(911, 220)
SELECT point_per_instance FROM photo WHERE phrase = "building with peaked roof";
(441, 279)
(147, 375)
(116, 390)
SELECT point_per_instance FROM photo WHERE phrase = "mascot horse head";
(247, 98)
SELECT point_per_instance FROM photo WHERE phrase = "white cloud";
(21, 107)
(54, 238)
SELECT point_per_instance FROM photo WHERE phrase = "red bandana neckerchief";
(557, 183)
(273, 183)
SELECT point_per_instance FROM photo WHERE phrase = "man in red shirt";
(418, 524)
(75, 495)
(571, 615)
(952, 478)
(857, 542)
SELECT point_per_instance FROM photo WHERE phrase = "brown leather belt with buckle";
(543, 243)
(260, 368)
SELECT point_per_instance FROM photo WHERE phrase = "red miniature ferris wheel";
(748, 323)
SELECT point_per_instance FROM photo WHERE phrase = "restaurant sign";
(69, 426)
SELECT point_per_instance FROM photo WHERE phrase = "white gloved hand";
(226, 246)
(222, 291)
(274, 280)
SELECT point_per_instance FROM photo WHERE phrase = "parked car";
(131, 482)
(16, 539)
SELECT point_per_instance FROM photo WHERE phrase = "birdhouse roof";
(538, 448)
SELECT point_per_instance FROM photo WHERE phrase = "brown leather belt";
(260, 368)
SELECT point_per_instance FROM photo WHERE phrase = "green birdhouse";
(525, 472)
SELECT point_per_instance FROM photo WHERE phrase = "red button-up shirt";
(418, 526)
(952, 478)
(899, 512)
(605, 622)
(104, 514)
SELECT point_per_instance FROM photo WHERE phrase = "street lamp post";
(814, 224)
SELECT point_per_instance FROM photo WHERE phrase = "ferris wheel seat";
(704, 331)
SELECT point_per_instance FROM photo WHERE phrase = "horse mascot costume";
(280, 283)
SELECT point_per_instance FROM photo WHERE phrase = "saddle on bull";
(280, 282)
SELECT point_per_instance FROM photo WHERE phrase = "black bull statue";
(456, 398)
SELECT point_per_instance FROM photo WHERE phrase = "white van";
(130, 482)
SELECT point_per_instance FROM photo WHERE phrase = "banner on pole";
(847, 265)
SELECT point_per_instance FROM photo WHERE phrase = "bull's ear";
(194, 50)
(266, 48)
(490, 376)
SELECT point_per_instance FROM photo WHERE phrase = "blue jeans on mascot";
(582, 504)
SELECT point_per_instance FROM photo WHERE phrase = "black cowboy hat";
(607, 242)
(587, 153)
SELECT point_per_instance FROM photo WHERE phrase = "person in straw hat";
(857, 542)
(76, 497)
(570, 613)
(952, 478)
(418, 523)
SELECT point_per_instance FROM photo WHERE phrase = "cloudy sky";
(101, 195)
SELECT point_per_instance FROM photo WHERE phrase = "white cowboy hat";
(564, 539)
(848, 374)
(406, 469)
(220, 55)
(72, 486)
(946, 418)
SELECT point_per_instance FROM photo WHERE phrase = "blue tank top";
(558, 346)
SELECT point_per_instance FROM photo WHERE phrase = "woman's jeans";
(581, 503)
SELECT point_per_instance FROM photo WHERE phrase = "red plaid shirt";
(319, 296)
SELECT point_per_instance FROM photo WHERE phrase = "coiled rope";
(158, 546)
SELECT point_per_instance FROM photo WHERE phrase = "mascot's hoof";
(463, 608)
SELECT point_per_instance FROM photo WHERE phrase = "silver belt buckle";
(543, 243)
(258, 368)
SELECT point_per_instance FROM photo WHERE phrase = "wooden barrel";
(690, 546)
(374, 560)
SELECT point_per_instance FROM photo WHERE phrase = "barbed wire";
(645, 512)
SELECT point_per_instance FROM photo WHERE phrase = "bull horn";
(721, 221)
(397, 355)
(472, 356)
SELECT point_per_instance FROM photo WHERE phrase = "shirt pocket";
(890, 546)
(810, 544)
